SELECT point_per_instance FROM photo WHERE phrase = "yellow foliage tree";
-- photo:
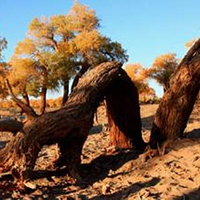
(64, 47)
(162, 68)
(139, 77)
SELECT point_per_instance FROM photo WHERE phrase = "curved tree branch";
(26, 109)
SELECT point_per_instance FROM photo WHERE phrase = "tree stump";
(123, 112)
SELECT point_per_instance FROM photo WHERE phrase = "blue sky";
(145, 28)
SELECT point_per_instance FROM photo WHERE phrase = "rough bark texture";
(11, 155)
(178, 101)
(43, 100)
(124, 114)
(68, 126)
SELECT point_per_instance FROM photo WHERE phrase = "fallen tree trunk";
(68, 126)
(124, 114)
(178, 101)
(10, 125)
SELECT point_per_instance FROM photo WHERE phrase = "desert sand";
(120, 175)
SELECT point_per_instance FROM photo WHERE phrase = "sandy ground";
(125, 175)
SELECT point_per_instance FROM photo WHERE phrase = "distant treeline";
(51, 103)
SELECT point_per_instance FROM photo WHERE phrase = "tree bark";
(26, 98)
(43, 94)
(68, 126)
(124, 114)
(178, 101)
(85, 66)
(43, 101)
(65, 92)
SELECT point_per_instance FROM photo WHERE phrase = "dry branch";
(25, 108)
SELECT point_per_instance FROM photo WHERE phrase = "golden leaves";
(162, 68)
(26, 46)
(136, 72)
(61, 44)
(81, 18)
(139, 77)
(88, 41)
(164, 61)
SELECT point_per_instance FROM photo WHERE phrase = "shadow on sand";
(99, 168)
(147, 122)
(95, 171)
(124, 193)
(194, 134)
(193, 195)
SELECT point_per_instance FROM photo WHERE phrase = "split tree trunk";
(68, 126)
(178, 101)
(124, 114)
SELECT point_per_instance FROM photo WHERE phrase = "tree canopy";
(139, 76)
(162, 68)
(59, 48)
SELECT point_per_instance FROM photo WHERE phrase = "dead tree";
(178, 101)
(123, 112)
(10, 125)
(68, 126)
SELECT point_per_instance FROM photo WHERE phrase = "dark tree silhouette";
(124, 114)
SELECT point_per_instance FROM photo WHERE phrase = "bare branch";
(27, 109)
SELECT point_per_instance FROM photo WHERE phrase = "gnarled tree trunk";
(68, 126)
(178, 101)
(124, 114)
